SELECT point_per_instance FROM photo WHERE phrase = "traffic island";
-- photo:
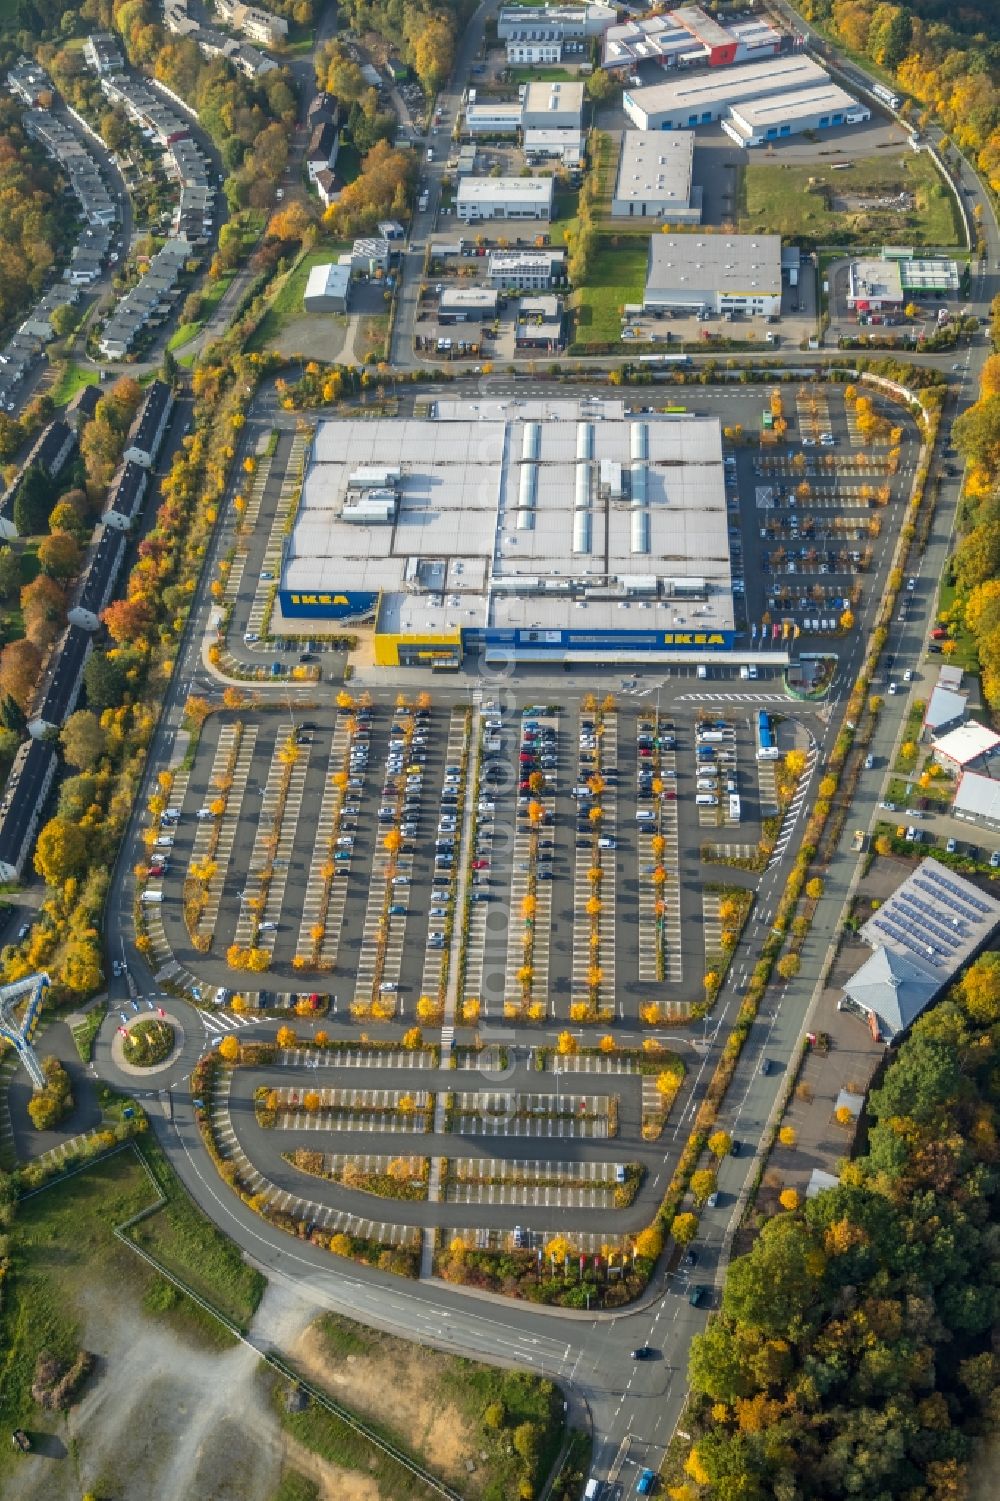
(146, 1045)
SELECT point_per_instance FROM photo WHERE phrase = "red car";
(480, 865)
(938, 633)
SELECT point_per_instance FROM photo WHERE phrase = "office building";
(503, 198)
(714, 273)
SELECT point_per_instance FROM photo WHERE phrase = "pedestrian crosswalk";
(216, 1023)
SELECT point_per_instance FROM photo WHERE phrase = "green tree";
(32, 502)
(103, 680)
(771, 1289)
(10, 573)
(83, 740)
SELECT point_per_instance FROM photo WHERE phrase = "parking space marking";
(326, 889)
(531, 1182)
(312, 1212)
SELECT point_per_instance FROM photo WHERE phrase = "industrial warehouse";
(540, 531)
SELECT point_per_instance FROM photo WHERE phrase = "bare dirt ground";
(163, 1417)
(434, 1427)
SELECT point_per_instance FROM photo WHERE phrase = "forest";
(852, 1355)
(947, 56)
(32, 221)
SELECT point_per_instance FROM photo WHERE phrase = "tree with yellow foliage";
(229, 1049)
(684, 1227)
(789, 1198)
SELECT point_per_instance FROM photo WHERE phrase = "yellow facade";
(426, 648)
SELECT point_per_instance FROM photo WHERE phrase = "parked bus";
(665, 359)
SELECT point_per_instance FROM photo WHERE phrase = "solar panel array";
(963, 895)
(924, 951)
(912, 908)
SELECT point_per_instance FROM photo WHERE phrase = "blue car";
(646, 1482)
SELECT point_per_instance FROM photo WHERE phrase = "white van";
(707, 784)
(152, 896)
(707, 800)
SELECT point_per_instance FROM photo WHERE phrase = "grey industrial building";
(717, 273)
(558, 529)
(654, 178)
(692, 99)
(328, 289)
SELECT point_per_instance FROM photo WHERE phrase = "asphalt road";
(590, 1355)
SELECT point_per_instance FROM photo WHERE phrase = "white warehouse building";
(822, 108)
(715, 273)
(504, 198)
(501, 117)
(654, 178)
(701, 98)
(552, 106)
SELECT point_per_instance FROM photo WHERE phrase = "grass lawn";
(287, 302)
(62, 1240)
(540, 75)
(348, 162)
(795, 200)
(72, 378)
(183, 335)
(617, 275)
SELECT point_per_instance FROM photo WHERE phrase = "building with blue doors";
(561, 530)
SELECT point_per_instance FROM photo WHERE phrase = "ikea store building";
(528, 531)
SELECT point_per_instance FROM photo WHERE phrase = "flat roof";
(717, 263)
(929, 275)
(557, 98)
(637, 40)
(978, 796)
(774, 75)
(490, 495)
(875, 278)
(967, 743)
(798, 104)
(655, 165)
(468, 297)
(494, 108)
(509, 189)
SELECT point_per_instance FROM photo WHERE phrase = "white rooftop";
(655, 166)
(799, 104)
(967, 743)
(491, 494)
(978, 797)
(328, 280)
(715, 262)
(723, 86)
(535, 190)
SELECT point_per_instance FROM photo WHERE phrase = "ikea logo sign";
(328, 606)
(693, 638)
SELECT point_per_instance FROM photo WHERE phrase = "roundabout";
(151, 1050)
(148, 1044)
